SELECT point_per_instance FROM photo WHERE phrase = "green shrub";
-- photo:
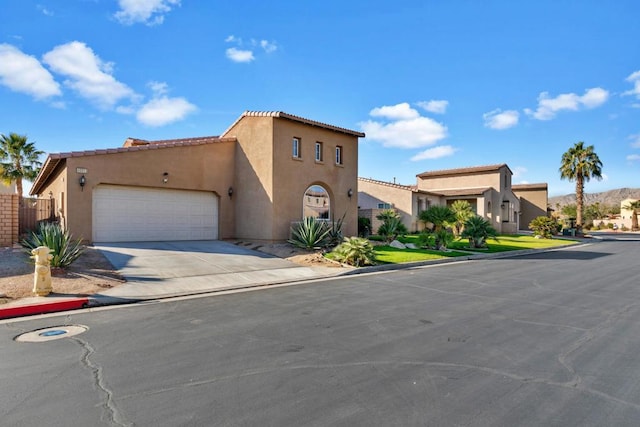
(543, 226)
(364, 226)
(392, 225)
(624, 228)
(63, 249)
(355, 251)
(478, 230)
(610, 226)
(310, 234)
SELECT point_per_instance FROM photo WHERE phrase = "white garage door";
(136, 214)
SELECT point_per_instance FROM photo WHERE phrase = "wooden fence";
(34, 211)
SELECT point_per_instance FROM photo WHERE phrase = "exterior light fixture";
(83, 181)
(165, 177)
(350, 193)
(230, 192)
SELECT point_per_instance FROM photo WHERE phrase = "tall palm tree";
(580, 164)
(19, 160)
(634, 207)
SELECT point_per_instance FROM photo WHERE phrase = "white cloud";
(233, 39)
(24, 73)
(403, 127)
(434, 106)
(634, 78)
(549, 107)
(435, 153)
(635, 140)
(44, 10)
(239, 55)
(518, 171)
(267, 46)
(498, 119)
(633, 157)
(163, 110)
(149, 12)
(87, 74)
(158, 88)
(395, 112)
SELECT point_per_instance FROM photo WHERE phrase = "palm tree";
(478, 230)
(440, 217)
(634, 207)
(580, 163)
(463, 211)
(19, 160)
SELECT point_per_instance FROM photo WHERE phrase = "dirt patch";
(291, 253)
(89, 274)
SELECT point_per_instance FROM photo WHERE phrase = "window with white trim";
(318, 151)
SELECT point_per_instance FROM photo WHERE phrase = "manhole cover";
(52, 333)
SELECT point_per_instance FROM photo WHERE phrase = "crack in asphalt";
(110, 410)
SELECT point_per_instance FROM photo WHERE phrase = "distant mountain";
(611, 197)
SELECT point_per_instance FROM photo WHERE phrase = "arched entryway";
(316, 203)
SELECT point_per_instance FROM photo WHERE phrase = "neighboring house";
(534, 199)
(623, 220)
(487, 189)
(265, 172)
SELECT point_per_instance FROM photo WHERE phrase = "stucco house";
(265, 172)
(487, 188)
(534, 200)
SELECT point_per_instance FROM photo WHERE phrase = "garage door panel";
(123, 214)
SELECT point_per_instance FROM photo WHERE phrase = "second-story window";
(318, 151)
(295, 148)
(338, 155)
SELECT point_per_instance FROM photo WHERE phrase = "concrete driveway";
(166, 269)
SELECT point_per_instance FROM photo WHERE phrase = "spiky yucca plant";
(355, 251)
(310, 234)
(63, 249)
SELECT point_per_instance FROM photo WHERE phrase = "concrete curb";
(47, 306)
(67, 304)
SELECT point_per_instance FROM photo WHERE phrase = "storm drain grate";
(52, 333)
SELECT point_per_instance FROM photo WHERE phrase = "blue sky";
(433, 84)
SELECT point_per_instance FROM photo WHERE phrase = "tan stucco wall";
(253, 177)
(469, 180)
(403, 201)
(207, 167)
(270, 183)
(533, 203)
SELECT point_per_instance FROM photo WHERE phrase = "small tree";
(463, 212)
(391, 226)
(440, 217)
(543, 226)
(478, 230)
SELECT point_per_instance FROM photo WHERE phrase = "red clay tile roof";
(463, 192)
(399, 186)
(523, 187)
(463, 171)
(56, 158)
(283, 115)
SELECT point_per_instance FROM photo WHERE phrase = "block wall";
(8, 219)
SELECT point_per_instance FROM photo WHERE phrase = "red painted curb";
(46, 307)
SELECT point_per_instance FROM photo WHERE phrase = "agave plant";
(310, 234)
(63, 248)
(355, 251)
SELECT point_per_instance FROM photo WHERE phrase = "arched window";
(316, 203)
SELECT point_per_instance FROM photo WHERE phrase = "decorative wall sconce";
(165, 177)
(230, 192)
(502, 205)
(82, 181)
(350, 193)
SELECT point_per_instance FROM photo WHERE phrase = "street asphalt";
(546, 339)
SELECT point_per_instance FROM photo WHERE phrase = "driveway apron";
(166, 269)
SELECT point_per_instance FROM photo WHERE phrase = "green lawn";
(389, 255)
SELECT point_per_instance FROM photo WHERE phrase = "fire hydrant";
(42, 275)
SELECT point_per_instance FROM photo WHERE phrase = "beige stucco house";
(534, 200)
(262, 174)
(487, 188)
